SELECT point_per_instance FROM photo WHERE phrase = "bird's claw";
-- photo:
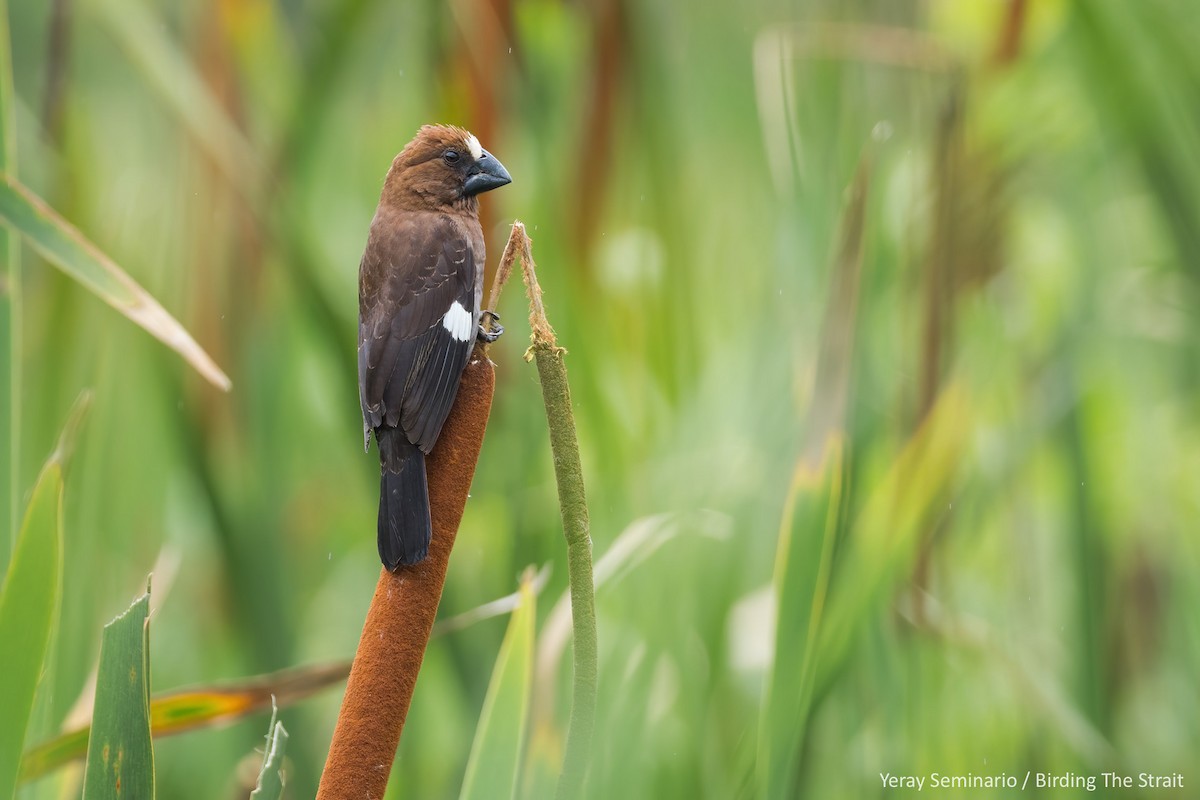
(488, 336)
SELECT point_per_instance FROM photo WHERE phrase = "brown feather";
(419, 179)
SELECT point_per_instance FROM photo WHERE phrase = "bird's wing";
(417, 322)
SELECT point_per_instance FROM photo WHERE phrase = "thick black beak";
(486, 174)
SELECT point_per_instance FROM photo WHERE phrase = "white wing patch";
(457, 322)
(473, 146)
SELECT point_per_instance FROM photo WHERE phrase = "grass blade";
(492, 768)
(28, 606)
(1154, 115)
(633, 546)
(65, 247)
(120, 760)
(182, 710)
(802, 569)
(270, 778)
(10, 312)
(812, 515)
(186, 710)
(885, 538)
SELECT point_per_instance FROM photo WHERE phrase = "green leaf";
(270, 778)
(50, 755)
(884, 540)
(120, 760)
(183, 710)
(65, 247)
(802, 568)
(496, 752)
(10, 314)
(28, 607)
(812, 517)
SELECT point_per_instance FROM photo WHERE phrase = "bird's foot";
(488, 336)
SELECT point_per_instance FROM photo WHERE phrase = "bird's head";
(443, 166)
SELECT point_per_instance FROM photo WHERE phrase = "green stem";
(568, 474)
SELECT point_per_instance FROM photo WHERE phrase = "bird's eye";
(451, 156)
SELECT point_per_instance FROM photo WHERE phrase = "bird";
(420, 283)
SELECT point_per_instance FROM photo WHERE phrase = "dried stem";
(504, 271)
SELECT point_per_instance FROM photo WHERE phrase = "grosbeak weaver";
(420, 282)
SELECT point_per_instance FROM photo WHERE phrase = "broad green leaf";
(496, 752)
(28, 605)
(270, 778)
(190, 709)
(802, 568)
(120, 760)
(65, 247)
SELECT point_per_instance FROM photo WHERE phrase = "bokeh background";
(1011, 363)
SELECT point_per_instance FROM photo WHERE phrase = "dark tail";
(404, 527)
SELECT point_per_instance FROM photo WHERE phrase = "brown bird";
(420, 282)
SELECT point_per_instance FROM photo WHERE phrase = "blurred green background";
(1013, 365)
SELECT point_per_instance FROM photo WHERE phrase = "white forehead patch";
(473, 146)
